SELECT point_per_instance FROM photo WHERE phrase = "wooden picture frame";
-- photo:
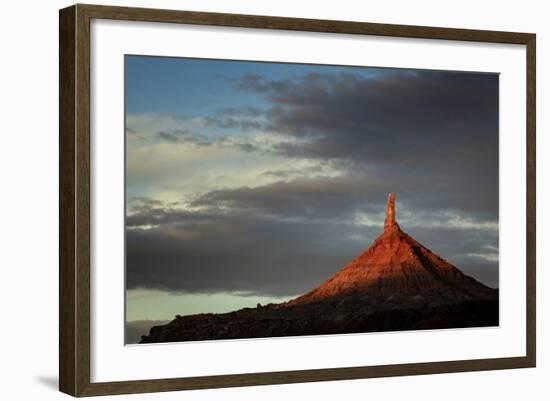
(74, 199)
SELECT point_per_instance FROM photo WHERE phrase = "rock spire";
(390, 223)
(398, 266)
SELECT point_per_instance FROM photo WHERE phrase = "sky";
(253, 182)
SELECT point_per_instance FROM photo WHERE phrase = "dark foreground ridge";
(346, 316)
(396, 284)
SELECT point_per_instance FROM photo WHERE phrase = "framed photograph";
(250, 200)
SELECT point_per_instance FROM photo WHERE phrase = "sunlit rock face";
(396, 265)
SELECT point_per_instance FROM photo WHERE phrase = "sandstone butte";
(398, 265)
(396, 284)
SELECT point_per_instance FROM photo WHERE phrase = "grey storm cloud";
(430, 137)
(209, 252)
(279, 239)
(354, 192)
(396, 117)
(322, 197)
(247, 253)
(438, 128)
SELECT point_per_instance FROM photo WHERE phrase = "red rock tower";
(398, 266)
(389, 222)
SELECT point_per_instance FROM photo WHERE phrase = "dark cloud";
(259, 83)
(186, 136)
(440, 129)
(322, 197)
(409, 106)
(190, 137)
(281, 240)
(133, 133)
(398, 116)
(333, 197)
(244, 118)
(235, 252)
(168, 137)
(232, 122)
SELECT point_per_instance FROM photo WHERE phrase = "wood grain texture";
(67, 289)
(301, 376)
(531, 228)
(301, 24)
(74, 199)
(74, 206)
(82, 200)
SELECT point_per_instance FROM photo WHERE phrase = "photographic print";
(268, 199)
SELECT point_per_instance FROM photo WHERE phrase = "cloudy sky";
(253, 182)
